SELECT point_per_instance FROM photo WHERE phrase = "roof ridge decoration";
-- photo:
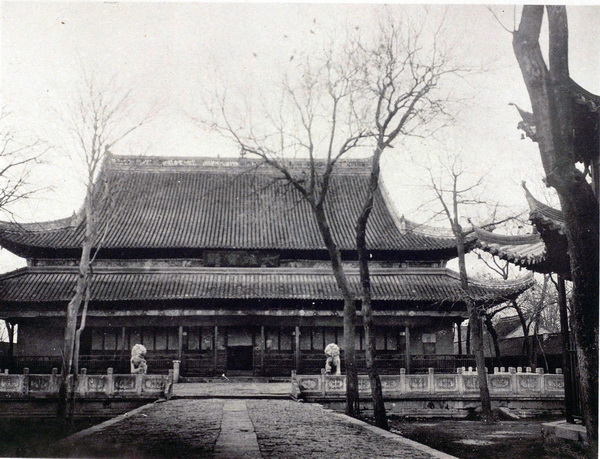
(229, 164)
(544, 213)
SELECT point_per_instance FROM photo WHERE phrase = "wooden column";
(459, 334)
(297, 348)
(215, 344)
(407, 347)
(263, 344)
(180, 344)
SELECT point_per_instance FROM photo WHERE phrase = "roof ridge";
(155, 163)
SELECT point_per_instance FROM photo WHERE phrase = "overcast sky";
(171, 53)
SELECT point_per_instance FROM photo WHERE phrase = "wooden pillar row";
(407, 346)
(297, 348)
(215, 345)
(263, 344)
(180, 343)
(459, 334)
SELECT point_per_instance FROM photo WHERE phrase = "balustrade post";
(513, 379)
(25, 381)
(110, 382)
(431, 380)
(176, 370)
(138, 383)
(323, 388)
(403, 381)
(540, 373)
(83, 381)
(460, 383)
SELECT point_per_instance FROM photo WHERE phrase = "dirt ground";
(475, 440)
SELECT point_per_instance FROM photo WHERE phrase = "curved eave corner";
(525, 250)
(544, 216)
(19, 238)
(502, 290)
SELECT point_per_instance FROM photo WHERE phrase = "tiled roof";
(525, 250)
(34, 284)
(529, 251)
(211, 203)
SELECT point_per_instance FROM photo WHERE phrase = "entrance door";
(239, 358)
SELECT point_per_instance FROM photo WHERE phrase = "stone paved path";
(237, 428)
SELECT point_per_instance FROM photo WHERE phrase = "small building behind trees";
(219, 264)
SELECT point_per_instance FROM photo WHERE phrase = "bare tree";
(16, 158)
(403, 85)
(362, 97)
(451, 198)
(100, 117)
(551, 126)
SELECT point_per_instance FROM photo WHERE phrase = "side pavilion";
(219, 264)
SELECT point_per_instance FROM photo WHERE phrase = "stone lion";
(138, 362)
(332, 364)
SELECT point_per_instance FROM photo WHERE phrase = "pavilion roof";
(542, 251)
(528, 251)
(432, 285)
(212, 203)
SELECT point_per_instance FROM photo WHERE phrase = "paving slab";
(238, 428)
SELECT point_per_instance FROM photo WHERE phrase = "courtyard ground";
(475, 440)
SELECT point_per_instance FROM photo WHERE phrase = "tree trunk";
(550, 95)
(526, 350)
(468, 338)
(352, 399)
(476, 327)
(74, 307)
(492, 331)
(367, 304)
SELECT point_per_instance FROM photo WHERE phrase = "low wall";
(107, 386)
(514, 383)
(524, 393)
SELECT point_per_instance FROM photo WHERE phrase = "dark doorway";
(239, 358)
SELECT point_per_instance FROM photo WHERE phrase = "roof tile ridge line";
(506, 237)
(15, 273)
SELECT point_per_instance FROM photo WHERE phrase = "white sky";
(171, 53)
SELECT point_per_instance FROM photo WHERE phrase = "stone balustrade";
(109, 385)
(511, 383)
